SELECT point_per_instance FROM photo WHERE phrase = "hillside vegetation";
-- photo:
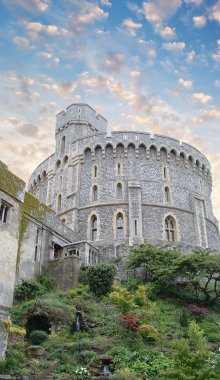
(145, 329)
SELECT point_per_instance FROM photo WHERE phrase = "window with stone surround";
(95, 171)
(119, 192)
(59, 203)
(95, 193)
(167, 194)
(120, 226)
(170, 228)
(63, 145)
(94, 228)
(118, 168)
(4, 211)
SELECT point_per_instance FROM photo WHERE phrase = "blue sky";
(146, 65)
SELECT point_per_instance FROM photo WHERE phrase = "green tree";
(100, 278)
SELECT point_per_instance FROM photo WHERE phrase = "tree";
(100, 278)
(199, 270)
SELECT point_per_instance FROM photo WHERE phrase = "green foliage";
(184, 318)
(144, 362)
(196, 335)
(37, 337)
(189, 365)
(68, 369)
(100, 278)
(28, 289)
(211, 330)
(122, 299)
(198, 271)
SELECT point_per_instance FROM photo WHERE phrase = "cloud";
(49, 56)
(64, 88)
(215, 12)
(217, 83)
(216, 55)
(114, 62)
(201, 97)
(135, 74)
(29, 96)
(185, 83)
(32, 6)
(28, 130)
(167, 33)
(36, 29)
(191, 56)
(91, 13)
(210, 114)
(199, 21)
(21, 80)
(174, 46)
(194, 2)
(131, 24)
(21, 41)
(158, 11)
(106, 3)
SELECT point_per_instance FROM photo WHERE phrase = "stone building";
(31, 238)
(117, 189)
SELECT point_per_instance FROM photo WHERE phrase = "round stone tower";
(122, 188)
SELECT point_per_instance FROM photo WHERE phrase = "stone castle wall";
(149, 165)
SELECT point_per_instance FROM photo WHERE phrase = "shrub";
(129, 321)
(122, 299)
(184, 318)
(100, 278)
(37, 337)
(47, 282)
(28, 289)
(196, 335)
(197, 311)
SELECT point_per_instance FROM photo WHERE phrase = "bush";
(28, 290)
(37, 337)
(184, 318)
(100, 278)
(197, 311)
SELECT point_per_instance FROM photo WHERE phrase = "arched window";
(95, 171)
(61, 182)
(65, 161)
(59, 203)
(95, 193)
(167, 194)
(94, 228)
(58, 165)
(63, 144)
(120, 227)
(119, 191)
(170, 229)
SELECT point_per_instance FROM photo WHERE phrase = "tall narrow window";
(63, 144)
(167, 194)
(165, 172)
(95, 171)
(95, 193)
(61, 182)
(120, 227)
(4, 208)
(59, 203)
(119, 169)
(36, 245)
(119, 191)
(94, 228)
(170, 228)
(135, 227)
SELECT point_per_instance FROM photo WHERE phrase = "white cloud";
(114, 62)
(49, 56)
(159, 10)
(106, 3)
(135, 74)
(131, 24)
(21, 41)
(91, 13)
(152, 53)
(194, 2)
(199, 21)
(64, 88)
(217, 83)
(167, 33)
(32, 6)
(210, 114)
(185, 83)
(191, 56)
(215, 12)
(201, 97)
(174, 46)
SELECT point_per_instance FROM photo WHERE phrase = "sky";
(152, 66)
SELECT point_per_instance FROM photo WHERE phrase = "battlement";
(81, 113)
